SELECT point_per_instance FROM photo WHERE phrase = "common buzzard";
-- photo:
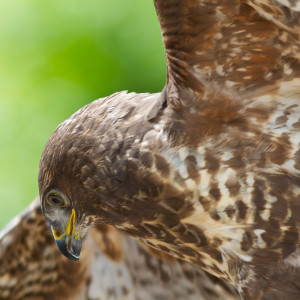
(207, 170)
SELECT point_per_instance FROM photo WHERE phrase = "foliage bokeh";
(55, 57)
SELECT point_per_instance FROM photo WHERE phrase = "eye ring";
(55, 199)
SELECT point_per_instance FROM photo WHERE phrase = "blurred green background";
(56, 56)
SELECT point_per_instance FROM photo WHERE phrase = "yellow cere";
(71, 223)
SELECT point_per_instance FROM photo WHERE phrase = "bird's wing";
(31, 266)
(220, 52)
(113, 266)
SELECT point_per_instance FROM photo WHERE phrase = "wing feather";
(31, 265)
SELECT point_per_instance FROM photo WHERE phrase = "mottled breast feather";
(113, 266)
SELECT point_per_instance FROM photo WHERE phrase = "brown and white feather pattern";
(212, 174)
(113, 266)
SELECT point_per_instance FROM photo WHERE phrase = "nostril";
(57, 234)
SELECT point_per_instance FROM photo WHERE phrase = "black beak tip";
(69, 248)
(71, 256)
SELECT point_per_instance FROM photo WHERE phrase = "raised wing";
(112, 266)
(218, 49)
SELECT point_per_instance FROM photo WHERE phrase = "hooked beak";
(68, 243)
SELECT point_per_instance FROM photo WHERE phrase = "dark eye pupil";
(56, 200)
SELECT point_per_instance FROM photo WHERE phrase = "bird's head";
(67, 179)
(66, 192)
(85, 175)
(76, 180)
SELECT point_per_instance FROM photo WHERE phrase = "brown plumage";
(112, 266)
(206, 171)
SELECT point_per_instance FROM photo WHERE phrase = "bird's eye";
(54, 199)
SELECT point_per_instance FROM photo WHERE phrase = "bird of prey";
(208, 170)
(113, 266)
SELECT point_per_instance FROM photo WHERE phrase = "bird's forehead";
(97, 124)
